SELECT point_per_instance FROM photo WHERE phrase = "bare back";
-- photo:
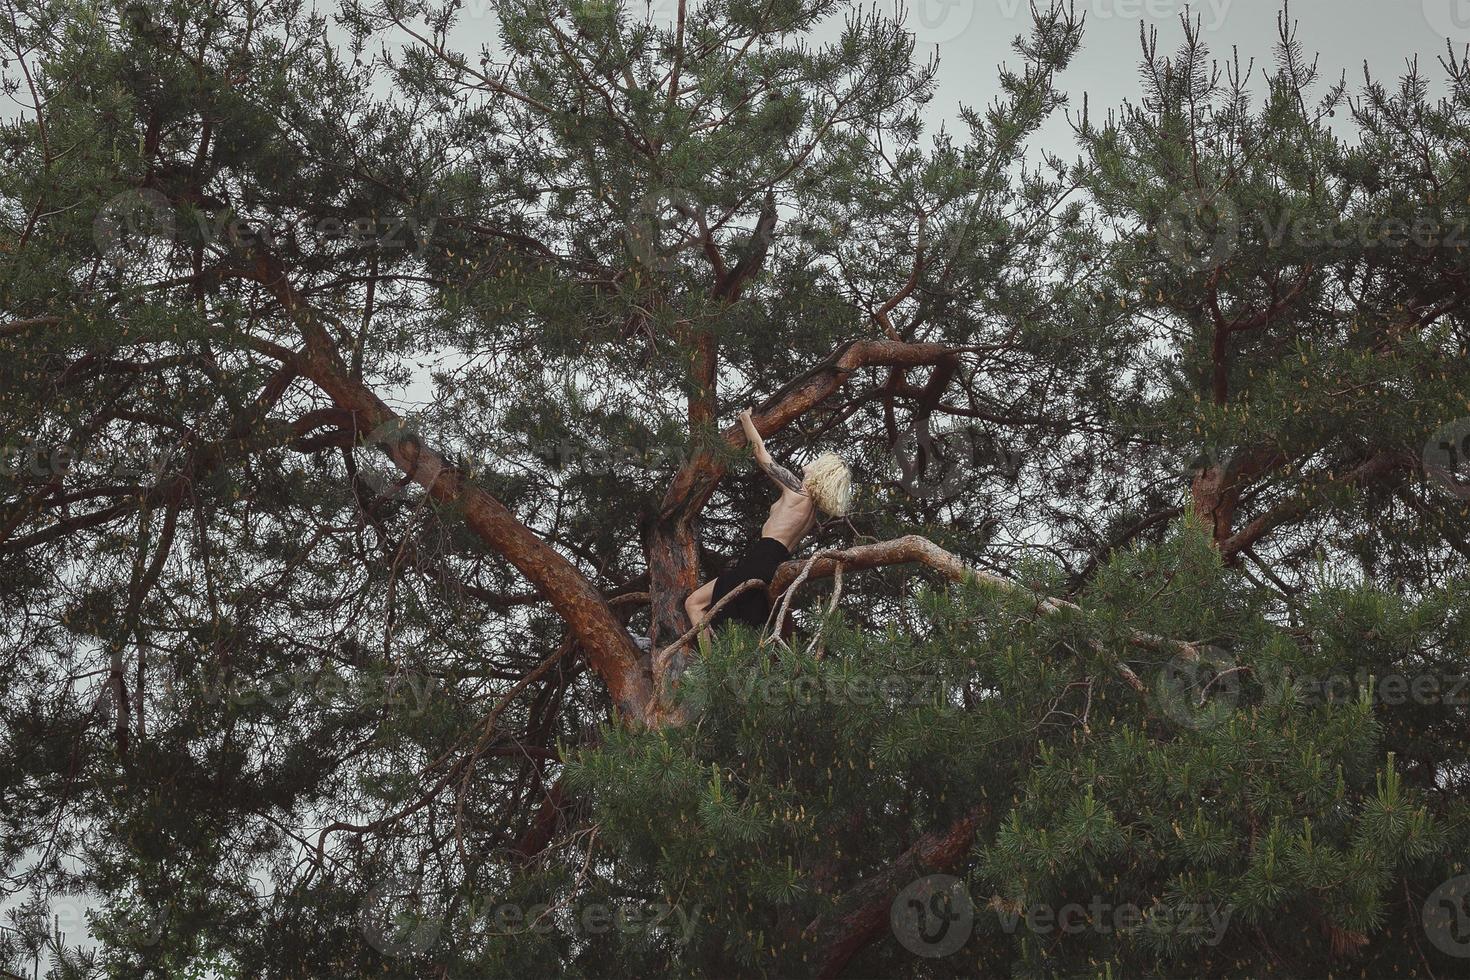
(791, 517)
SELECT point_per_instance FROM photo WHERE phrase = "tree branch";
(1301, 504)
(609, 649)
(914, 549)
(866, 906)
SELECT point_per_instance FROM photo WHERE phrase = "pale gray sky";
(974, 36)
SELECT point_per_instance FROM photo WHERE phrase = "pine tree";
(363, 397)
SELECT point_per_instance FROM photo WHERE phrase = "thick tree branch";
(16, 327)
(914, 549)
(694, 483)
(863, 911)
(609, 649)
(1299, 505)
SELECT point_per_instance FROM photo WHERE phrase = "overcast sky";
(974, 36)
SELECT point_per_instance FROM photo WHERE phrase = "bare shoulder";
(788, 480)
(796, 495)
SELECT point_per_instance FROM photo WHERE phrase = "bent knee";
(694, 608)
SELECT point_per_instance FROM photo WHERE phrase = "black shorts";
(751, 607)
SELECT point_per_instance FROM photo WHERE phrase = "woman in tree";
(825, 484)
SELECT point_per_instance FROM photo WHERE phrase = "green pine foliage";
(1247, 834)
(267, 709)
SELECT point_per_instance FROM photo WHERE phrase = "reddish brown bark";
(1216, 490)
(606, 644)
(672, 550)
(544, 824)
(673, 556)
(1375, 467)
(694, 483)
(864, 909)
(1215, 495)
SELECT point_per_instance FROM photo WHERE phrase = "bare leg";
(698, 603)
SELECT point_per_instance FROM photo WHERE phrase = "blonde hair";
(829, 481)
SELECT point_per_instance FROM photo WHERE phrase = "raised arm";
(779, 474)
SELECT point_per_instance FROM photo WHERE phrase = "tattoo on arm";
(783, 476)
